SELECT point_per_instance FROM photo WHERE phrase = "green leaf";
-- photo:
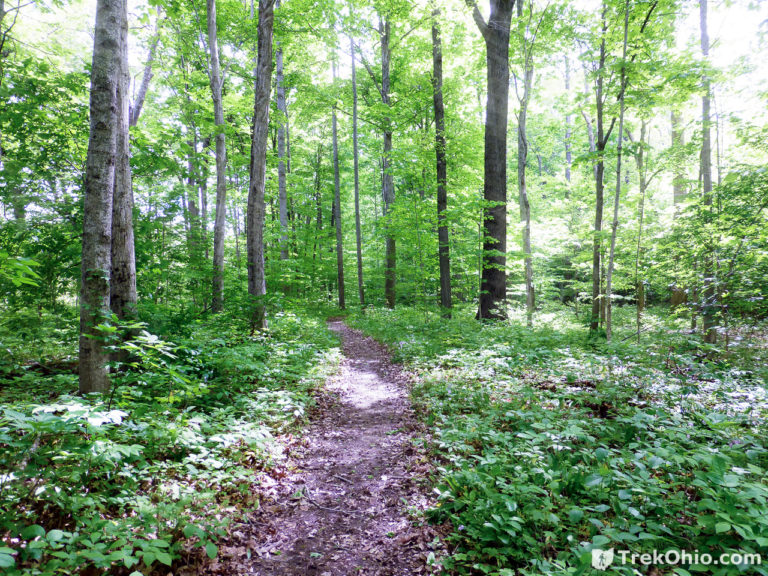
(721, 527)
(7, 561)
(33, 531)
(54, 536)
(212, 550)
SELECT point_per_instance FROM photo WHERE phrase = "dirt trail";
(343, 509)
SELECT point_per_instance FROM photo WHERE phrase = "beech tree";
(257, 286)
(219, 227)
(106, 108)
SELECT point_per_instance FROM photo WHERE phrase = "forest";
(383, 287)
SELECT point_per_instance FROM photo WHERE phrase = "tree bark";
(678, 192)
(337, 205)
(568, 123)
(257, 286)
(387, 182)
(443, 240)
(639, 281)
(105, 110)
(709, 304)
(220, 222)
(123, 259)
(522, 160)
(493, 282)
(617, 195)
(282, 109)
(356, 157)
(600, 144)
(146, 77)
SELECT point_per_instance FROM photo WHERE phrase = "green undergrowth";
(550, 445)
(131, 481)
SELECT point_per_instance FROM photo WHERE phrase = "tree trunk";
(709, 304)
(617, 195)
(387, 182)
(568, 123)
(337, 205)
(639, 281)
(105, 109)
(600, 144)
(443, 240)
(257, 286)
(678, 193)
(493, 283)
(123, 257)
(282, 109)
(220, 223)
(355, 153)
(522, 160)
(146, 77)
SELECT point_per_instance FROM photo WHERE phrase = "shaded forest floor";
(451, 445)
(353, 496)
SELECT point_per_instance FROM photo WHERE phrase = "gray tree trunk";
(337, 206)
(522, 161)
(123, 267)
(617, 195)
(282, 108)
(146, 77)
(257, 286)
(679, 192)
(387, 182)
(600, 144)
(105, 108)
(220, 223)
(443, 240)
(493, 282)
(356, 157)
(709, 304)
(639, 281)
(568, 123)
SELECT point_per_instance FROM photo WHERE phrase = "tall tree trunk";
(203, 188)
(568, 123)
(337, 205)
(639, 280)
(617, 195)
(220, 223)
(600, 144)
(356, 157)
(123, 257)
(443, 241)
(522, 160)
(387, 181)
(678, 192)
(257, 286)
(105, 109)
(493, 283)
(146, 76)
(282, 109)
(709, 304)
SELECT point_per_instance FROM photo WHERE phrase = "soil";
(352, 496)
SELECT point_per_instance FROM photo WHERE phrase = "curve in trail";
(343, 510)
